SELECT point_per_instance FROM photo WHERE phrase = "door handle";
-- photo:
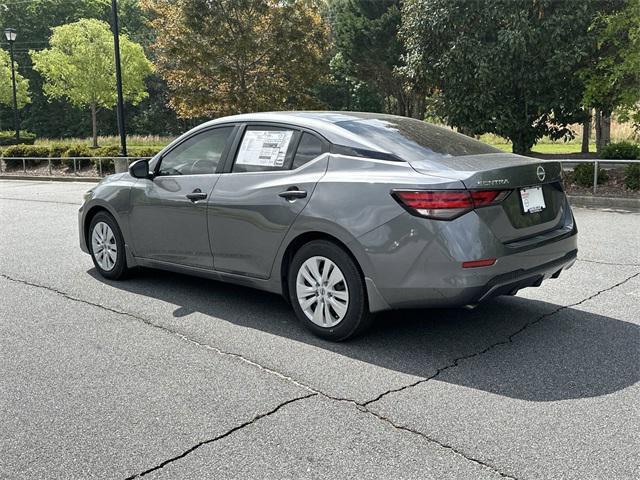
(196, 195)
(293, 193)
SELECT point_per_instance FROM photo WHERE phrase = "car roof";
(325, 123)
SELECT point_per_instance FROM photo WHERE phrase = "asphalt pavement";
(168, 376)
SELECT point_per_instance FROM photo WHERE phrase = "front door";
(252, 207)
(168, 219)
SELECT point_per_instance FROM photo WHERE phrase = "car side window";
(264, 149)
(309, 148)
(198, 155)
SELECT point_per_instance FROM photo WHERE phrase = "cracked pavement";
(169, 376)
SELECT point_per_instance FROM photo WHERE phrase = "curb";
(50, 179)
(630, 204)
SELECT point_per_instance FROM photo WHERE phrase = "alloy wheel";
(322, 291)
(104, 247)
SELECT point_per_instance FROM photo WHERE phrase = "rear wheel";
(327, 291)
(107, 246)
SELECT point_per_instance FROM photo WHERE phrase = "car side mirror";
(139, 169)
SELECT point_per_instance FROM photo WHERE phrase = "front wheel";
(327, 291)
(107, 247)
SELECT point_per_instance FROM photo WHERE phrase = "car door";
(168, 217)
(266, 186)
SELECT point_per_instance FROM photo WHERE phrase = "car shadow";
(572, 354)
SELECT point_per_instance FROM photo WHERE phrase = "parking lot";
(168, 376)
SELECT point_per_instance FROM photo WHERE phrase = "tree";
(501, 66)
(6, 85)
(80, 67)
(228, 56)
(365, 34)
(612, 79)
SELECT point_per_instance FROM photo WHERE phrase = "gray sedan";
(344, 214)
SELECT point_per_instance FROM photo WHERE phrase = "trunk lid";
(508, 220)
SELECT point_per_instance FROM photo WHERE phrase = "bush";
(621, 151)
(583, 175)
(632, 176)
(107, 165)
(77, 151)
(57, 150)
(23, 151)
(143, 151)
(7, 137)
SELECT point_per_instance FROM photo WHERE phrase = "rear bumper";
(416, 264)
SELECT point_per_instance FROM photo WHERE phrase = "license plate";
(532, 199)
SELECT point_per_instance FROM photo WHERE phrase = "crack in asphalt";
(221, 436)
(40, 201)
(609, 263)
(456, 361)
(361, 406)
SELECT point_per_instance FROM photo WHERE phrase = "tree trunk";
(598, 126)
(94, 125)
(603, 129)
(586, 134)
(521, 145)
(606, 128)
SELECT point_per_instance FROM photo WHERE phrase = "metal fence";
(596, 161)
(566, 163)
(76, 162)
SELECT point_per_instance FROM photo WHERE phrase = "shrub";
(7, 137)
(107, 165)
(632, 176)
(57, 150)
(583, 175)
(23, 151)
(621, 151)
(143, 151)
(77, 151)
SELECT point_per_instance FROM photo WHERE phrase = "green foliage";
(8, 137)
(632, 176)
(23, 151)
(79, 66)
(369, 53)
(612, 81)
(503, 67)
(583, 175)
(621, 150)
(77, 151)
(6, 84)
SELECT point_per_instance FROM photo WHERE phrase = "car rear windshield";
(411, 140)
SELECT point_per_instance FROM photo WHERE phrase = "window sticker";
(264, 148)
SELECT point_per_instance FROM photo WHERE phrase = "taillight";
(446, 204)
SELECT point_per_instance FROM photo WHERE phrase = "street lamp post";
(11, 34)
(121, 164)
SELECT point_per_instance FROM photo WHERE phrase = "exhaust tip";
(470, 306)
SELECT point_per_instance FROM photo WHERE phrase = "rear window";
(412, 140)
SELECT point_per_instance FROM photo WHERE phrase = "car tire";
(337, 319)
(106, 246)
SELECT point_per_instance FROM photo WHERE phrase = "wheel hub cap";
(104, 247)
(322, 291)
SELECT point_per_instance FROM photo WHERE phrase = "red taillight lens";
(446, 204)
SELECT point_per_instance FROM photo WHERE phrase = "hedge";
(583, 174)
(621, 151)
(69, 151)
(632, 176)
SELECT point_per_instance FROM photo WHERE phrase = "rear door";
(168, 216)
(266, 185)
